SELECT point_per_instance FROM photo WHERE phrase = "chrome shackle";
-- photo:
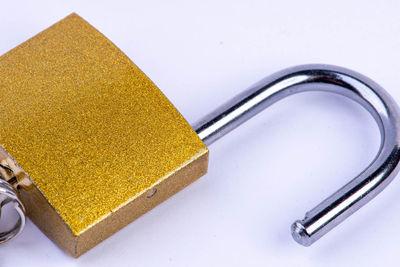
(353, 85)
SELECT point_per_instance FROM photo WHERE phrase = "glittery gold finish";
(93, 134)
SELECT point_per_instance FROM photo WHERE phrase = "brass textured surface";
(142, 204)
(89, 128)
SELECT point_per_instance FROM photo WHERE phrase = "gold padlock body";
(92, 133)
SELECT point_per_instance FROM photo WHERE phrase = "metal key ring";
(9, 195)
(351, 84)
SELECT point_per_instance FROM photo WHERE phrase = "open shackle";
(370, 182)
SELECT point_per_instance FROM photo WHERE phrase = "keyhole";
(152, 192)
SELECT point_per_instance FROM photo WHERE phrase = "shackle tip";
(300, 235)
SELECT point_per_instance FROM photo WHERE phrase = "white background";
(271, 170)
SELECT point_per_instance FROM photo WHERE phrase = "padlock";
(89, 143)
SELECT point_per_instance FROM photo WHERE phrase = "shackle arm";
(355, 86)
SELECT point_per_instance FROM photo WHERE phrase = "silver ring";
(9, 195)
